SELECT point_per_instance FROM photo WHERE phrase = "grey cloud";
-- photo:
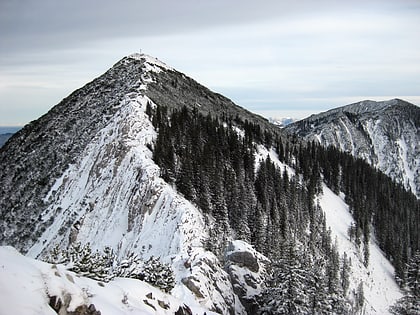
(36, 24)
(271, 54)
(28, 24)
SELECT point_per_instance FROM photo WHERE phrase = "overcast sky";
(275, 58)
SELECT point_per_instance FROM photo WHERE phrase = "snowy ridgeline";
(385, 134)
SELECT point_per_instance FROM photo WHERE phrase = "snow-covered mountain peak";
(100, 184)
(152, 63)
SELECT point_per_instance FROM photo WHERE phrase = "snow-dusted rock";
(385, 134)
(247, 270)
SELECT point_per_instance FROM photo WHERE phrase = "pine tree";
(158, 274)
(360, 298)
(129, 267)
(344, 274)
(287, 293)
(104, 266)
(409, 304)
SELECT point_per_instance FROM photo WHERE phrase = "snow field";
(379, 286)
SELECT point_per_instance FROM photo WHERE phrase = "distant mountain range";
(385, 134)
(282, 122)
(6, 133)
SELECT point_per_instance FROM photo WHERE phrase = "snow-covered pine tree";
(130, 267)
(57, 256)
(104, 266)
(344, 274)
(287, 291)
(158, 274)
(90, 264)
(409, 304)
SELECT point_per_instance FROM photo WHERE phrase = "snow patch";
(409, 173)
(261, 155)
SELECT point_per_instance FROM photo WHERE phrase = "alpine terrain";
(385, 134)
(144, 192)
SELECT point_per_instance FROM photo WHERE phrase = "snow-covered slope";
(29, 287)
(385, 134)
(379, 287)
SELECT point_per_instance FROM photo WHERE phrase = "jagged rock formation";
(385, 134)
(246, 268)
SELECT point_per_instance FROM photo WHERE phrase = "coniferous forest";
(210, 160)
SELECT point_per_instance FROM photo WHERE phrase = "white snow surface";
(409, 172)
(27, 284)
(262, 154)
(379, 286)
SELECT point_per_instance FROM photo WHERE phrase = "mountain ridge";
(386, 134)
(146, 160)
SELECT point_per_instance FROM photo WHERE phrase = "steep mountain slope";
(385, 134)
(84, 173)
(146, 160)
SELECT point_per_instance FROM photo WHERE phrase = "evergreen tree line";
(211, 161)
(409, 304)
(376, 202)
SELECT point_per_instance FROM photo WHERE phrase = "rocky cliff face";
(385, 134)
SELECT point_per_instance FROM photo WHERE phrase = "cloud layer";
(275, 57)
